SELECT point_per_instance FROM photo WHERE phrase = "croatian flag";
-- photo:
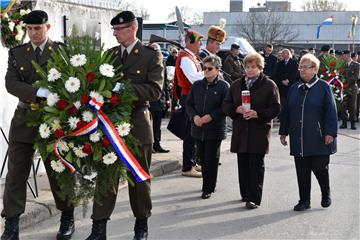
(327, 21)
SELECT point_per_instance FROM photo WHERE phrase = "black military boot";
(67, 226)
(11, 228)
(343, 125)
(353, 125)
(141, 229)
(98, 231)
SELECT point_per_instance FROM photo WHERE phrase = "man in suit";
(18, 81)
(143, 66)
(349, 103)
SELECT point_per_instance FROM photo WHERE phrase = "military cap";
(338, 52)
(235, 46)
(311, 49)
(194, 36)
(346, 52)
(331, 51)
(216, 33)
(325, 48)
(36, 17)
(123, 17)
(353, 54)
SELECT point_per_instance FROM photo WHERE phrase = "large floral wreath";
(81, 82)
(332, 70)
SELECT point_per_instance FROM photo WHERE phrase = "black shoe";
(11, 229)
(325, 201)
(98, 230)
(353, 126)
(67, 226)
(251, 205)
(205, 195)
(159, 149)
(302, 206)
(141, 229)
(344, 125)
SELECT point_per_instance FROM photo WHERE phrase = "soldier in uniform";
(18, 80)
(143, 66)
(352, 76)
(233, 65)
(216, 36)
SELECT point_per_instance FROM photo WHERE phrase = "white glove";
(117, 87)
(43, 92)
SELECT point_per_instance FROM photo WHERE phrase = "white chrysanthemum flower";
(109, 158)
(23, 12)
(55, 125)
(91, 176)
(52, 99)
(73, 122)
(87, 116)
(11, 26)
(79, 152)
(107, 70)
(53, 75)
(57, 166)
(94, 137)
(123, 129)
(63, 146)
(77, 104)
(72, 84)
(19, 35)
(97, 96)
(78, 60)
(71, 145)
(44, 130)
(28, 11)
(5, 16)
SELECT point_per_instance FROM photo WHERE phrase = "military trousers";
(139, 194)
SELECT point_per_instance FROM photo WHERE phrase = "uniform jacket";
(206, 98)
(307, 116)
(144, 68)
(232, 66)
(19, 78)
(352, 76)
(285, 71)
(252, 136)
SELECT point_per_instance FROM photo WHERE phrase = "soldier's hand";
(283, 140)
(328, 139)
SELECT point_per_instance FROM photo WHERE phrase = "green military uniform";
(144, 68)
(19, 79)
(232, 66)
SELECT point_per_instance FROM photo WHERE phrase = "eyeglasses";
(208, 68)
(305, 67)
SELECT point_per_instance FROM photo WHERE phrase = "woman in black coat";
(203, 107)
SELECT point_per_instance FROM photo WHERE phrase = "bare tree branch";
(323, 5)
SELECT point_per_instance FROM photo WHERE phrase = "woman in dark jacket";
(203, 107)
(309, 117)
(252, 128)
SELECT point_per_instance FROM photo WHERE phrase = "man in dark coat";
(19, 78)
(270, 60)
(285, 74)
(143, 66)
(233, 65)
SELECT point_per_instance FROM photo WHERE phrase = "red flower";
(59, 133)
(105, 141)
(90, 76)
(73, 110)
(344, 85)
(341, 70)
(85, 99)
(333, 74)
(81, 124)
(87, 148)
(324, 69)
(16, 21)
(333, 63)
(62, 104)
(114, 100)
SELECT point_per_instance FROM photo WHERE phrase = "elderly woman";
(252, 127)
(203, 107)
(309, 117)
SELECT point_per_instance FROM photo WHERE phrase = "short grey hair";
(310, 58)
(213, 60)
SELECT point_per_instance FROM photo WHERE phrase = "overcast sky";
(160, 9)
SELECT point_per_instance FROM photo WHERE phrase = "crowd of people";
(251, 90)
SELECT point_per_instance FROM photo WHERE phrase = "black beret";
(312, 48)
(325, 48)
(36, 17)
(338, 52)
(123, 17)
(346, 52)
(235, 46)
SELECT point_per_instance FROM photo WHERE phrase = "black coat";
(285, 71)
(207, 98)
(270, 64)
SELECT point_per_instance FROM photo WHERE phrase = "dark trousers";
(139, 194)
(319, 165)
(349, 103)
(157, 118)
(209, 153)
(251, 170)
(19, 166)
(188, 142)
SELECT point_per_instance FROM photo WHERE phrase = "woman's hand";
(328, 139)
(283, 140)
(206, 118)
(241, 109)
(249, 114)
(197, 120)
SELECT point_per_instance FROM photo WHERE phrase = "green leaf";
(106, 93)
(102, 85)
(51, 109)
(50, 147)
